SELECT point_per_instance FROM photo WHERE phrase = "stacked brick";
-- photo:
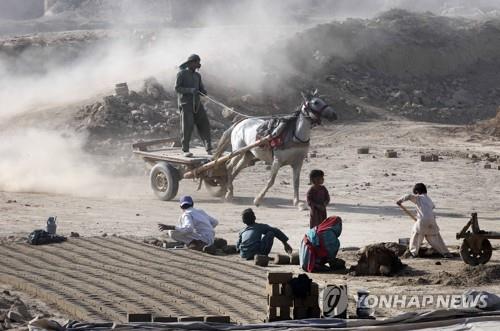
(282, 305)
(148, 317)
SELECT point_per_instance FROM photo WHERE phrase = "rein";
(293, 133)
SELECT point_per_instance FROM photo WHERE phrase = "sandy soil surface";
(364, 188)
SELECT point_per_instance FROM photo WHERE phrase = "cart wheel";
(164, 181)
(215, 186)
(475, 258)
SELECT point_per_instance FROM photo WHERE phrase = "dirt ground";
(363, 189)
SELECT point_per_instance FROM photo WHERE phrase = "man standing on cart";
(188, 87)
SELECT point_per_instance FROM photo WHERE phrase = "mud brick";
(284, 313)
(191, 318)
(314, 289)
(279, 301)
(164, 319)
(278, 277)
(314, 312)
(218, 319)
(278, 314)
(363, 150)
(272, 314)
(429, 158)
(287, 290)
(310, 301)
(141, 317)
(274, 289)
(391, 153)
(300, 313)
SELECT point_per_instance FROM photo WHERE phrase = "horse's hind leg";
(274, 171)
(230, 169)
(242, 163)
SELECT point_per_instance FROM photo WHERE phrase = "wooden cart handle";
(195, 172)
(409, 213)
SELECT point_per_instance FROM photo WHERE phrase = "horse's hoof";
(229, 197)
(295, 202)
(257, 202)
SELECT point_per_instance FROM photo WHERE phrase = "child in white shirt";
(425, 226)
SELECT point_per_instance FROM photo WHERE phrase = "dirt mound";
(420, 65)
(378, 259)
(468, 276)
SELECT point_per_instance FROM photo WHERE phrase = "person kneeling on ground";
(425, 226)
(196, 228)
(320, 246)
(258, 238)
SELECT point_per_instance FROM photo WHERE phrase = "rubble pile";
(13, 312)
(422, 66)
(127, 116)
(148, 112)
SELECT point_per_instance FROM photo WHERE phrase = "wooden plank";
(142, 145)
(173, 156)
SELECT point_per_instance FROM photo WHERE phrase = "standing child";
(425, 226)
(317, 198)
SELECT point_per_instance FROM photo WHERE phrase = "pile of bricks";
(282, 305)
(148, 317)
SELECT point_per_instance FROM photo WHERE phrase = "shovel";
(409, 213)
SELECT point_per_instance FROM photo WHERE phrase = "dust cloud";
(45, 161)
(235, 56)
(42, 161)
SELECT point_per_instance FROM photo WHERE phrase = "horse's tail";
(224, 140)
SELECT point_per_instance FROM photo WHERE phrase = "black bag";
(42, 237)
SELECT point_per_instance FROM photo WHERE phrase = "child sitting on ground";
(317, 198)
(425, 226)
(258, 238)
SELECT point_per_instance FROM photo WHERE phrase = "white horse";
(292, 153)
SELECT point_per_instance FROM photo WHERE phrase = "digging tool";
(409, 213)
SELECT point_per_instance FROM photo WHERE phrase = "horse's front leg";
(297, 168)
(274, 171)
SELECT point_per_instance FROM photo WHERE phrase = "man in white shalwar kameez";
(196, 227)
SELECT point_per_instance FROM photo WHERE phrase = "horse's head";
(317, 108)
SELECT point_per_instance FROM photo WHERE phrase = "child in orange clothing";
(317, 198)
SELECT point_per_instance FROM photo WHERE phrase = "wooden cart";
(476, 248)
(170, 166)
